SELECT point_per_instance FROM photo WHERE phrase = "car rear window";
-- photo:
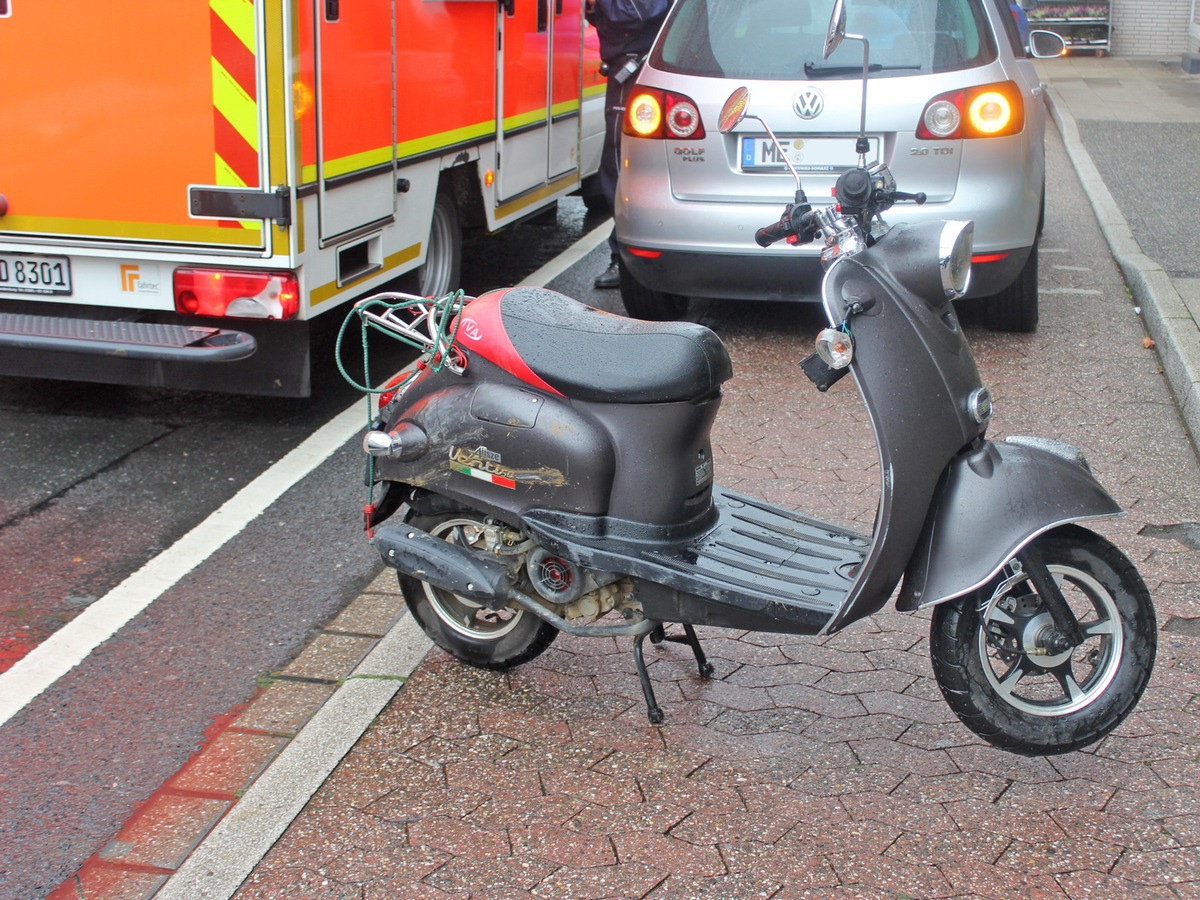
(783, 39)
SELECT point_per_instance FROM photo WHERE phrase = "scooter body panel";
(498, 444)
(915, 372)
(992, 502)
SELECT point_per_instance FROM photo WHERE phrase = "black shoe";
(610, 277)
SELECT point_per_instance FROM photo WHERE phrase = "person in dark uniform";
(626, 29)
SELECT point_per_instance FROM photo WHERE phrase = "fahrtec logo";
(809, 103)
(140, 279)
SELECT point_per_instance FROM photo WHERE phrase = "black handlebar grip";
(769, 234)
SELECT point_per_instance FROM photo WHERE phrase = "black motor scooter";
(545, 467)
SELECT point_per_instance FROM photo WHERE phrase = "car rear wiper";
(812, 70)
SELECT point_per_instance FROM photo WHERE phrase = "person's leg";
(613, 100)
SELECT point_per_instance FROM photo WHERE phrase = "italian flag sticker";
(485, 476)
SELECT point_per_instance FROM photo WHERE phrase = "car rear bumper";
(761, 277)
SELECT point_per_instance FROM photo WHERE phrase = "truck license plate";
(35, 274)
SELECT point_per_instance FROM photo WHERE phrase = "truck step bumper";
(132, 340)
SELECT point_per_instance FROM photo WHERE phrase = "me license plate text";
(832, 155)
(35, 274)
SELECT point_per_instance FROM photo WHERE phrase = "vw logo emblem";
(809, 103)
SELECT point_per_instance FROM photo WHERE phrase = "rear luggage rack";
(133, 340)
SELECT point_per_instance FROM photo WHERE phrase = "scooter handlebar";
(769, 234)
(796, 221)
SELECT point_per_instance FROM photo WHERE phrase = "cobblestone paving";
(807, 767)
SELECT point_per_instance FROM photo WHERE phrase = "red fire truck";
(186, 186)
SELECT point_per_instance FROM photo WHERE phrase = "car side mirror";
(1046, 45)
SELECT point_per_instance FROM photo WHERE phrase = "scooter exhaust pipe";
(468, 573)
(478, 576)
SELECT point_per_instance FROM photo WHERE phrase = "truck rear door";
(539, 53)
(113, 111)
(356, 104)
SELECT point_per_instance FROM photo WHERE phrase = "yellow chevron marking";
(239, 16)
(235, 104)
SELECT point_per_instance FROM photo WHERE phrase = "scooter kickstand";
(689, 637)
(652, 709)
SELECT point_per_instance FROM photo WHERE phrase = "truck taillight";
(988, 110)
(652, 113)
(236, 293)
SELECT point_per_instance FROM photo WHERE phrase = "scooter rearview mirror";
(837, 28)
(734, 110)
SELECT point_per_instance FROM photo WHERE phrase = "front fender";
(988, 505)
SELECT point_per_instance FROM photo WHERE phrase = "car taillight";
(989, 110)
(249, 295)
(651, 113)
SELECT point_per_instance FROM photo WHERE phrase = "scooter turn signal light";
(835, 347)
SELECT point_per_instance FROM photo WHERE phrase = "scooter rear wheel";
(1013, 688)
(476, 634)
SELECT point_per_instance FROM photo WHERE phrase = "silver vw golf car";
(953, 106)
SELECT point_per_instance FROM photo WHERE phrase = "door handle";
(332, 10)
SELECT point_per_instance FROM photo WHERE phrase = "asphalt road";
(99, 480)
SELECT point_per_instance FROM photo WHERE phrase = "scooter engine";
(577, 592)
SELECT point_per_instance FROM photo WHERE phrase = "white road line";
(570, 256)
(76, 640)
(72, 643)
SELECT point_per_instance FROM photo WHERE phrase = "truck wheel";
(1005, 680)
(442, 270)
(644, 303)
(497, 639)
(1016, 307)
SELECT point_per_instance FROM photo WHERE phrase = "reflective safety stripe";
(235, 95)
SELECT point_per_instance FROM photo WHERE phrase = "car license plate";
(35, 274)
(812, 155)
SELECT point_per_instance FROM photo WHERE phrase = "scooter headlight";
(954, 257)
(835, 347)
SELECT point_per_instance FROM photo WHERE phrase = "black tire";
(644, 303)
(1015, 308)
(485, 638)
(1051, 703)
(442, 270)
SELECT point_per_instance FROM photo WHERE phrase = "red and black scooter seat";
(560, 345)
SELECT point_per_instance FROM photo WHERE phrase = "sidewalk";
(806, 768)
(1132, 129)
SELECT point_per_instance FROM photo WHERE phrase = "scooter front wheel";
(998, 665)
(474, 633)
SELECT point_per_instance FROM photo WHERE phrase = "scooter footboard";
(989, 504)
